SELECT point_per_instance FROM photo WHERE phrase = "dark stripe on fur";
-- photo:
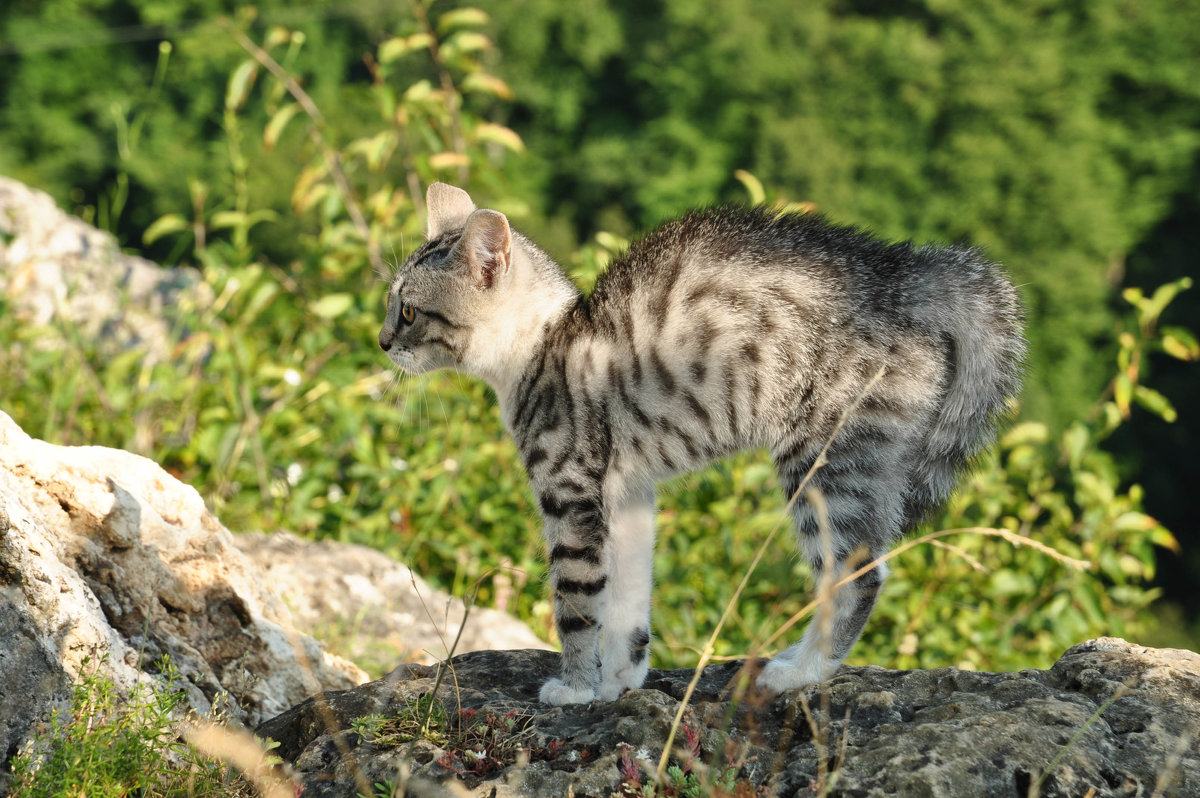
(440, 319)
(589, 554)
(639, 646)
(665, 378)
(697, 409)
(573, 624)
(638, 414)
(535, 456)
(585, 588)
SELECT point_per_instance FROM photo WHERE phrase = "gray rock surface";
(372, 608)
(56, 268)
(106, 564)
(1108, 719)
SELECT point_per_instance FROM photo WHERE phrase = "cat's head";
(472, 296)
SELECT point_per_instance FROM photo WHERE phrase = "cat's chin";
(406, 362)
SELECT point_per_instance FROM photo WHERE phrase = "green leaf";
(239, 84)
(1161, 536)
(1163, 295)
(467, 42)
(1024, 433)
(1180, 343)
(1134, 522)
(1155, 402)
(418, 91)
(1112, 417)
(487, 131)
(754, 186)
(483, 83)
(264, 294)
(277, 123)
(462, 18)
(1123, 393)
(449, 160)
(1075, 441)
(333, 305)
(222, 220)
(374, 150)
(276, 36)
(611, 242)
(400, 46)
(164, 225)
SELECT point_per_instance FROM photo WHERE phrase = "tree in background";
(1054, 135)
(1060, 137)
(116, 107)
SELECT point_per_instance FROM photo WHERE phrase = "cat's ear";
(447, 208)
(486, 248)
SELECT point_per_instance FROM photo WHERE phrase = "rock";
(108, 563)
(1108, 719)
(377, 610)
(55, 267)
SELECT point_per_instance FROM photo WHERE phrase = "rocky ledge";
(108, 564)
(1108, 719)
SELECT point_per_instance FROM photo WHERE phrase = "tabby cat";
(730, 328)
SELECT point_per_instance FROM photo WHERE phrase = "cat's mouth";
(406, 360)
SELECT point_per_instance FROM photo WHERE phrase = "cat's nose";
(385, 339)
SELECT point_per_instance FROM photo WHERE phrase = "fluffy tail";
(981, 320)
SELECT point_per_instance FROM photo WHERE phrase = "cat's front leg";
(577, 539)
(625, 648)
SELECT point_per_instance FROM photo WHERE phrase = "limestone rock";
(55, 267)
(1108, 719)
(377, 609)
(106, 559)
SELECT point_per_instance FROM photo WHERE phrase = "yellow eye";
(406, 310)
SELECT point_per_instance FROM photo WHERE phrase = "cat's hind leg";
(850, 522)
(832, 632)
(625, 647)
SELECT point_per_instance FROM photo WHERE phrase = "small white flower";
(450, 464)
(395, 516)
(399, 463)
(294, 471)
(334, 494)
(291, 377)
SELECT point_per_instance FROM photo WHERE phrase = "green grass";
(108, 744)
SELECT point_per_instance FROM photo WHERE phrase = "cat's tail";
(980, 316)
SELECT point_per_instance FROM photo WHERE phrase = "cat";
(730, 328)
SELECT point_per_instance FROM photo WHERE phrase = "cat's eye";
(406, 310)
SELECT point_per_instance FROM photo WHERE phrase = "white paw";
(785, 674)
(631, 677)
(557, 692)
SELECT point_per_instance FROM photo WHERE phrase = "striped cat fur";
(730, 328)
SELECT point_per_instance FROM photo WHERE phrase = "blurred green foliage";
(1056, 135)
(276, 404)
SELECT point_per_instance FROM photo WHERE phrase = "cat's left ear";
(447, 208)
(486, 247)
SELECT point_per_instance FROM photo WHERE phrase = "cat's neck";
(540, 297)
